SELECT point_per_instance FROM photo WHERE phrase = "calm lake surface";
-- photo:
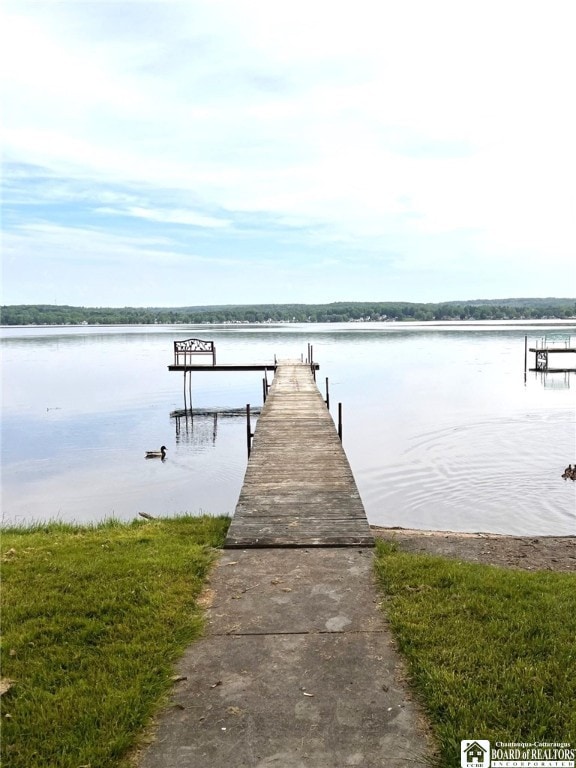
(441, 430)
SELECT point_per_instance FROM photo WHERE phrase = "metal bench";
(184, 351)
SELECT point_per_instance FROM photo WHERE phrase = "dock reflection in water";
(198, 427)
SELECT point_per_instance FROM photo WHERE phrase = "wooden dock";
(188, 353)
(544, 352)
(299, 490)
(227, 367)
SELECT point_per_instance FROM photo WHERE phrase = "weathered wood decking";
(227, 367)
(298, 490)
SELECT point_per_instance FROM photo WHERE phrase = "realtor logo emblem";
(475, 754)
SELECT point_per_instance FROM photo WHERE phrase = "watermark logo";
(479, 753)
(475, 753)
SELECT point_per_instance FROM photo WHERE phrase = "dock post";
(340, 421)
(327, 395)
(263, 390)
(525, 357)
(248, 429)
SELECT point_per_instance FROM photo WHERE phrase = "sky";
(191, 153)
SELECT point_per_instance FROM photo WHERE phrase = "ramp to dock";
(299, 490)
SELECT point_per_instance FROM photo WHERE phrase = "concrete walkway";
(297, 669)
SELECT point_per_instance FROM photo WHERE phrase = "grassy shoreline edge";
(94, 618)
(490, 651)
(109, 608)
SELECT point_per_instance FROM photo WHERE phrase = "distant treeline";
(501, 309)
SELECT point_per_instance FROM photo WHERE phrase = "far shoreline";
(507, 323)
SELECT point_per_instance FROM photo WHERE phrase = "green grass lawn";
(93, 620)
(95, 617)
(490, 651)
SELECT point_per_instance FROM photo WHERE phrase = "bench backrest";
(185, 350)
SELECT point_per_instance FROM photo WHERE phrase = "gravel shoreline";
(528, 553)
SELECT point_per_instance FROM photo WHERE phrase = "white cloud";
(56, 243)
(174, 216)
(369, 124)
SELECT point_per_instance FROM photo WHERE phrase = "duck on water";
(161, 454)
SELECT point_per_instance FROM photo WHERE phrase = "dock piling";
(249, 434)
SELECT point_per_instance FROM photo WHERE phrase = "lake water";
(440, 427)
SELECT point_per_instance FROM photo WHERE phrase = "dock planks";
(299, 490)
(227, 367)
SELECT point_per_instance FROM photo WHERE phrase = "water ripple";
(481, 475)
